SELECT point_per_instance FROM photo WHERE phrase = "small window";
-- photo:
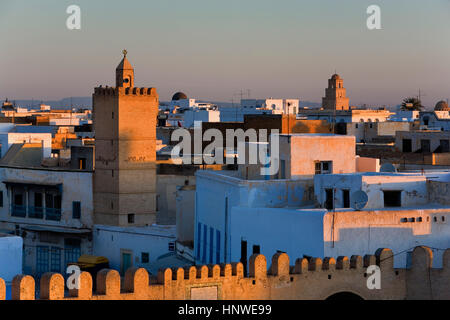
(76, 210)
(346, 198)
(171, 246)
(443, 218)
(425, 145)
(392, 199)
(131, 218)
(419, 219)
(407, 145)
(329, 199)
(403, 220)
(145, 258)
(1, 199)
(323, 167)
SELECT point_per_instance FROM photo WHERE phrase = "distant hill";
(65, 103)
(86, 102)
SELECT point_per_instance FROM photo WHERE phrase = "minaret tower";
(125, 151)
(335, 95)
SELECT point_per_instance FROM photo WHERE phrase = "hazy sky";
(212, 49)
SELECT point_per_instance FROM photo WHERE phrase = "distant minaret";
(125, 151)
(335, 95)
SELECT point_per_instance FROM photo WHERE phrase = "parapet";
(115, 91)
(308, 278)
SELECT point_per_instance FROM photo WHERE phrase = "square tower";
(125, 151)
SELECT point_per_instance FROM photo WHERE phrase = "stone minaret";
(125, 151)
(335, 98)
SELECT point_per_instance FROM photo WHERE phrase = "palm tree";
(411, 103)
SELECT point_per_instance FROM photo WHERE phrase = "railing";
(18, 211)
(52, 214)
(35, 212)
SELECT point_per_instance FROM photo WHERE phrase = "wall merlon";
(315, 264)
(258, 266)
(301, 266)
(342, 263)
(356, 262)
(108, 282)
(280, 264)
(329, 264)
(23, 288)
(52, 286)
(385, 258)
(369, 259)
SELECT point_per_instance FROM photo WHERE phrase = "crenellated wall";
(114, 91)
(306, 279)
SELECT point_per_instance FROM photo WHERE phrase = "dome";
(335, 77)
(179, 96)
(442, 106)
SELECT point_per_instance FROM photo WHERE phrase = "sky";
(211, 50)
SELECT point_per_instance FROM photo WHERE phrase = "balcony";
(35, 212)
(52, 214)
(18, 211)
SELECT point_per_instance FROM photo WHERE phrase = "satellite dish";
(388, 167)
(359, 200)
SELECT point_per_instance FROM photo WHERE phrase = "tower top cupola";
(125, 73)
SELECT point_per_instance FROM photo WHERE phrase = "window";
(444, 145)
(1, 199)
(145, 257)
(82, 163)
(131, 218)
(329, 199)
(425, 145)
(55, 259)
(356, 125)
(76, 210)
(42, 262)
(18, 199)
(323, 167)
(346, 198)
(72, 250)
(392, 198)
(407, 145)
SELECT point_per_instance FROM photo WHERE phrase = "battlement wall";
(312, 278)
(114, 91)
